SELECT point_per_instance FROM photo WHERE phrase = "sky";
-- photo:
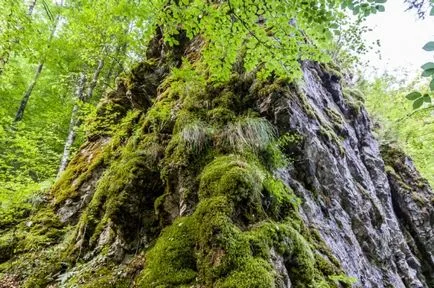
(402, 36)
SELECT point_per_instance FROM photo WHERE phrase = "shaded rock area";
(248, 183)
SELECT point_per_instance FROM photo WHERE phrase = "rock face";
(249, 183)
(378, 220)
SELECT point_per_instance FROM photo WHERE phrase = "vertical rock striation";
(378, 224)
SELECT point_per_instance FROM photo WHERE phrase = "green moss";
(92, 156)
(93, 278)
(160, 117)
(221, 248)
(220, 115)
(253, 273)
(310, 112)
(394, 157)
(343, 280)
(7, 244)
(36, 240)
(334, 116)
(279, 198)
(234, 177)
(35, 269)
(14, 214)
(332, 69)
(171, 261)
(235, 191)
(289, 142)
(79, 170)
(130, 157)
(352, 100)
(331, 136)
(355, 94)
(218, 252)
(115, 187)
(207, 148)
(43, 229)
(40, 230)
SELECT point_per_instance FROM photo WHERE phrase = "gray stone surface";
(376, 223)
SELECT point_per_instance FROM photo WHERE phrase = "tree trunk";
(94, 81)
(72, 126)
(20, 113)
(75, 123)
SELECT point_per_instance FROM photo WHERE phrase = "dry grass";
(252, 133)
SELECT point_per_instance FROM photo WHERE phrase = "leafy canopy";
(274, 35)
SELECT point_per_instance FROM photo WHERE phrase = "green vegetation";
(173, 168)
(424, 99)
(396, 122)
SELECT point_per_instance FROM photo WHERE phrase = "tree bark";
(72, 126)
(74, 122)
(20, 113)
(94, 81)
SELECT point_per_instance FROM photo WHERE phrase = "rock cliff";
(248, 183)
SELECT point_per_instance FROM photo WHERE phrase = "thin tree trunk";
(20, 113)
(120, 50)
(72, 126)
(75, 123)
(94, 81)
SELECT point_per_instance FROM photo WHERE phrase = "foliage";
(30, 151)
(274, 35)
(418, 98)
(398, 123)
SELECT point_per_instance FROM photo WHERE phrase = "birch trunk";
(94, 81)
(74, 122)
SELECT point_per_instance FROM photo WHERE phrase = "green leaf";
(380, 8)
(418, 103)
(413, 95)
(428, 72)
(431, 85)
(426, 98)
(427, 66)
(429, 46)
(431, 13)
